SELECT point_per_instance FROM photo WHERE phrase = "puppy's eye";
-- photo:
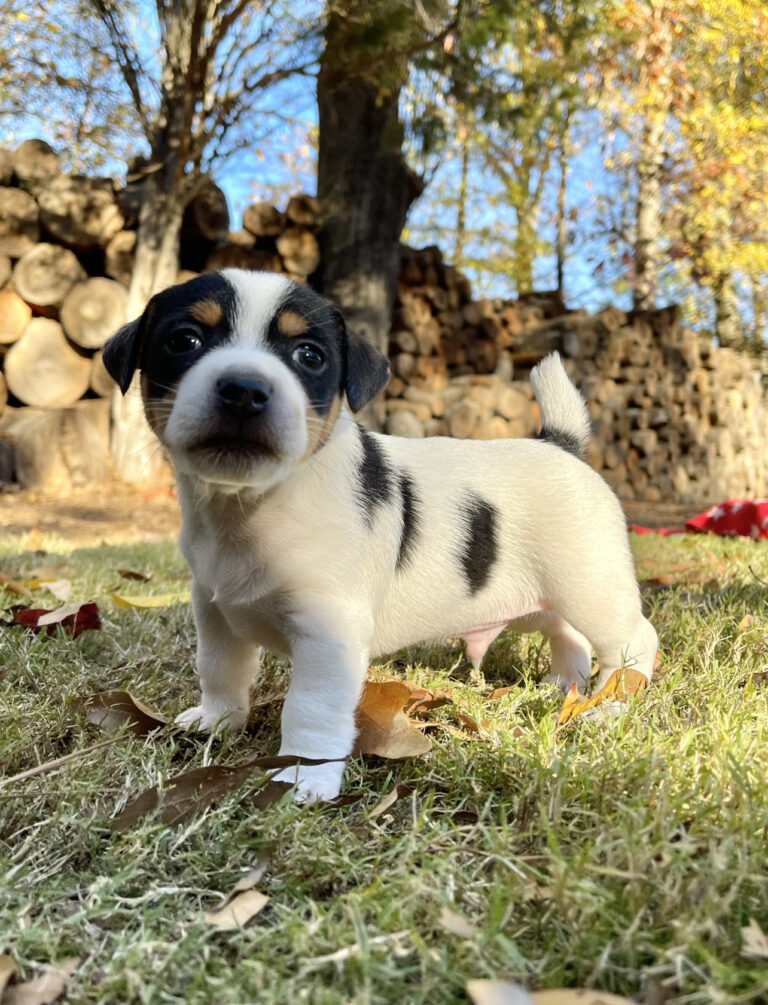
(310, 357)
(182, 341)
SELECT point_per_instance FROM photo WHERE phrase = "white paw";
(212, 718)
(313, 782)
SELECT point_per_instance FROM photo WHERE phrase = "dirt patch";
(114, 511)
(103, 511)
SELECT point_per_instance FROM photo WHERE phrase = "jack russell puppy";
(311, 536)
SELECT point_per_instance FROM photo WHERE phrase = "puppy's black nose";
(243, 396)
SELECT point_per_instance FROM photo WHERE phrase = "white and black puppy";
(315, 538)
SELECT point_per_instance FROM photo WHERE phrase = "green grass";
(624, 855)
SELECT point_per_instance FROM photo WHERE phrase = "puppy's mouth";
(224, 446)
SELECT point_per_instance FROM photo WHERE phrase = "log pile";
(675, 417)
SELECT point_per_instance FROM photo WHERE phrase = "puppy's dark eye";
(310, 357)
(182, 341)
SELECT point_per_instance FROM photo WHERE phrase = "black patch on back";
(374, 476)
(566, 441)
(410, 525)
(169, 311)
(321, 387)
(480, 549)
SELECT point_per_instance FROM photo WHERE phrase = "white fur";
(562, 407)
(286, 557)
(256, 305)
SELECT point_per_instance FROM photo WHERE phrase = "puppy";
(313, 537)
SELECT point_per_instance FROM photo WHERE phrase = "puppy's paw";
(313, 782)
(211, 718)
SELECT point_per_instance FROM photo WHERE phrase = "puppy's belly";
(478, 633)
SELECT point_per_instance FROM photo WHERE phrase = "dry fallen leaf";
(425, 699)
(237, 911)
(399, 792)
(113, 710)
(147, 603)
(139, 577)
(500, 692)
(12, 585)
(754, 940)
(747, 622)
(456, 925)
(8, 969)
(621, 685)
(60, 588)
(383, 727)
(201, 788)
(44, 989)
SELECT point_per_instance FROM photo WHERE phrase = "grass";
(624, 855)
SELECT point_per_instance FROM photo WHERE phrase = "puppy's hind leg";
(226, 665)
(571, 651)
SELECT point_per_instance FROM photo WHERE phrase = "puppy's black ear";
(121, 353)
(366, 370)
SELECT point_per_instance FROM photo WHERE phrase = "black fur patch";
(481, 547)
(410, 526)
(171, 311)
(566, 441)
(322, 333)
(374, 474)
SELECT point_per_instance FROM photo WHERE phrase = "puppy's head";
(243, 373)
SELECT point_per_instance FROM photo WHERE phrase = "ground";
(114, 511)
(625, 854)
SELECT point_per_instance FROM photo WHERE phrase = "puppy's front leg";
(330, 660)
(226, 666)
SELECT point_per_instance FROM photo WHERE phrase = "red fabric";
(733, 518)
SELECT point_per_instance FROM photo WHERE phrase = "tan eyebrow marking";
(291, 324)
(207, 312)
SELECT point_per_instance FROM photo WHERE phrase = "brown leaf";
(139, 577)
(619, 687)
(399, 792)
(44, 989)
(115, 710)
(500, 692)
(12, 585)
(237, 910)
(754, 940)
(202, 788)
(8, 969)
(424, 700)
(456, 925)
(383, 727)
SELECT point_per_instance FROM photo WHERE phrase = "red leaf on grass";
(75, 619)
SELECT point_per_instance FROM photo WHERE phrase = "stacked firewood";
(67, 247)
(675, 416)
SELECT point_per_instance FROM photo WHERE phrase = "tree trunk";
(364, 185)
(136, 453)
(648, 213)
(727, 322)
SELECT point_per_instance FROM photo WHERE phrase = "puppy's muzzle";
(242, 398)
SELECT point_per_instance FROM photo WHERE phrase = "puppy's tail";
(565, 418)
